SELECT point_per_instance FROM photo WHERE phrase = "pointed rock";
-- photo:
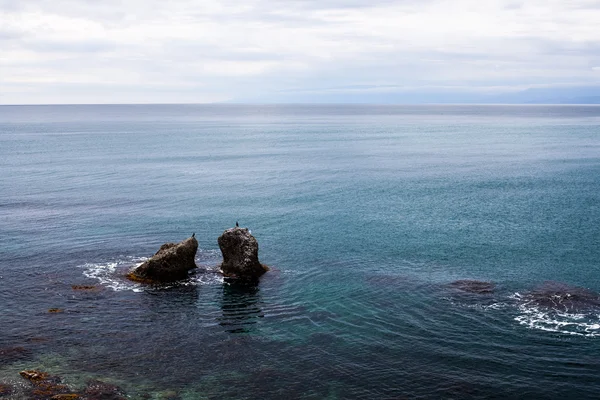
(170, 263)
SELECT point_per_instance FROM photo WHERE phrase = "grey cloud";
(10, 5)
(105, 11)
(360, 60)
(188, 49)
(344, 4)
(556, 47)
(583, 5)
(77, 46)
(9, 34)
(513, 5)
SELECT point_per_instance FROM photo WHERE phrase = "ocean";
(375, 221)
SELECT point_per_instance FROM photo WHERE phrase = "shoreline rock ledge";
(240, 255)
(170, 263)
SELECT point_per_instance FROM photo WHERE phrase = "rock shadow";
(240, 305)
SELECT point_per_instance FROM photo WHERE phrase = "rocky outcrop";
(562, 297)
(12, 354)
(5, 390)
(170, 263)
(472, 286)
(103, 391)
(240, 255)
(45, 386)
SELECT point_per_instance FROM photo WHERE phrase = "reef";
(473, 286)
(563, 297)
(240, 255)
(11, 354)
(5, 390)
(97, 390)
(46, 386)
(172, 262)
(34, 375)
(84, 287)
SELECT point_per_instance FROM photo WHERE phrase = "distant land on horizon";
(551, 95)
(532, 96)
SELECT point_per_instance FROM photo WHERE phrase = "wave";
(551, 306)
(564, 320)
(112, 274)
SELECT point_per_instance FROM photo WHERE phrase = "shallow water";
(366, 215)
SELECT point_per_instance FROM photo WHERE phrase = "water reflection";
(240, 306)
(161, 299)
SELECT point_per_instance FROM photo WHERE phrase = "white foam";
(554, 320)
(478, 306)
(495, 306)
(112, 274)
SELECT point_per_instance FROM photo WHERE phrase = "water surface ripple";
(366, 216)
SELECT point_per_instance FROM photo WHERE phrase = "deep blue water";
(366, 214)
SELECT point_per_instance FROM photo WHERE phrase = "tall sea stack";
(240, 255)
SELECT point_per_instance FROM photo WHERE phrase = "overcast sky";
(149, 51)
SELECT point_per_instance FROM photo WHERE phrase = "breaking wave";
(112, 274)
(560, 309)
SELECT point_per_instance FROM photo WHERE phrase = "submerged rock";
(473, 286)
(44, 386)
(170, 263)
(98, 390)
(84, 287)
(5, 390)
(240, 254)
(11, 354)
(563, 297)
(33, 375)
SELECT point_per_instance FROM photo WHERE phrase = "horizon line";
(294, 104)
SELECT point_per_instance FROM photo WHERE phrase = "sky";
(195, 51)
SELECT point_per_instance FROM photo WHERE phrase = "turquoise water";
(366, 214)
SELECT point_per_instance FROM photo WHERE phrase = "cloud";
(200, 51)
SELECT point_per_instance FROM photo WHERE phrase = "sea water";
(367, 216)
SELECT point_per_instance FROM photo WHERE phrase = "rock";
(11, 354)
(5, 390)
(45, 386)
(34, 375)
(240, 254)
(169, 395)
(563, 297)
(472, 286)
(84, 287)
(170, 263)
(98, 390)
(67, 396)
